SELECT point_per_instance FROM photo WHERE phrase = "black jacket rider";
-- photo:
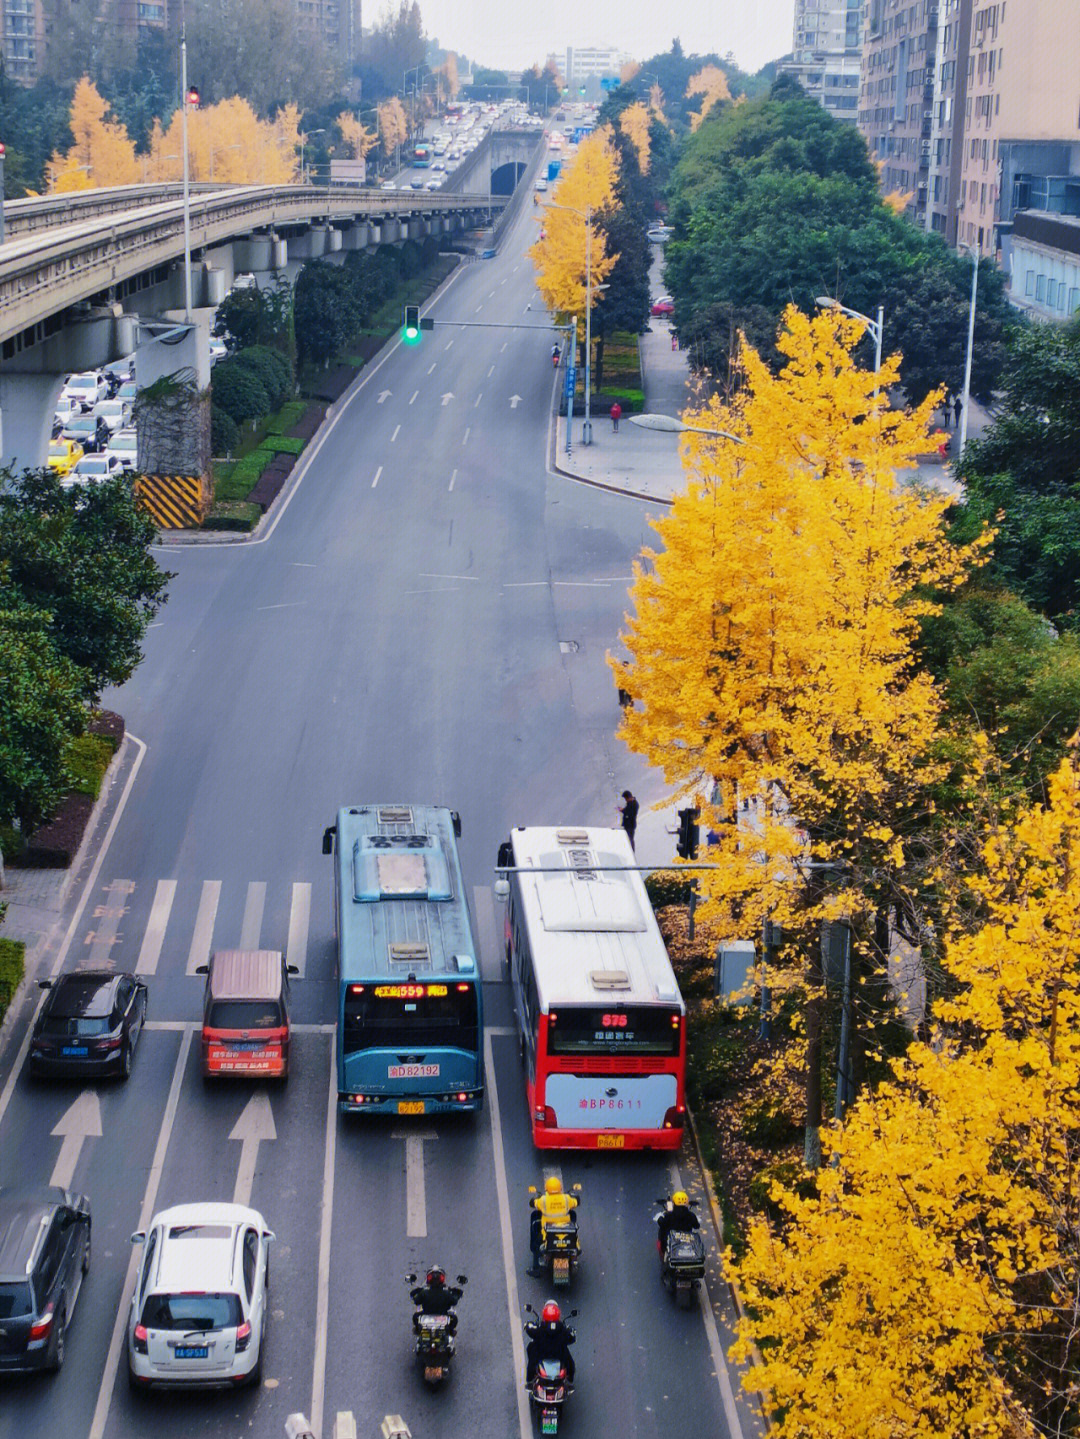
(549, 1341)
(435, 1299)
(675, 1216)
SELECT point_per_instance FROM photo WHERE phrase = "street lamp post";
(303, 141)
(187, 194)
(876, 327)
(671, 425)
(966, 400)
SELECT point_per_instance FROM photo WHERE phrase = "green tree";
(259, 315)
(41, 710)
(327, 312)
(238, 389)
(272, 369)
(82, 559)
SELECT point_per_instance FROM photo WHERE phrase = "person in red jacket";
(616, 416)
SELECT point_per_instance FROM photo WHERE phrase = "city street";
(425, 618)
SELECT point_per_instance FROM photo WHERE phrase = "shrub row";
(12, 954)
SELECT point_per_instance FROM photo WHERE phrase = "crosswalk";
(149, 926)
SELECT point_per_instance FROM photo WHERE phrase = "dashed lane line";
(154, 936)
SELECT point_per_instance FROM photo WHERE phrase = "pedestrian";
(628, 815)
(616, 416)
(674, 340)
(958, 407)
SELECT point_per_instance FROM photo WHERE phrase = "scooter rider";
(552, 1204)
(435, 1296)
(549, 1338)
(676, 1214)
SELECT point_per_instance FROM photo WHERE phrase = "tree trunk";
(598, 383)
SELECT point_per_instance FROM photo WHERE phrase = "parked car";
(90, 1023)
(67, 407)
(87, 388)
(115, 413)
(657, 234)
(218, 349)
(44, 1257)
(198, 1314)
(665, 305)
(93, 469)
(90, 431)
(64, 455)
(124, 446)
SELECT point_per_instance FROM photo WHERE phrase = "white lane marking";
(492, 295)
(526, 584)
(154, 937)
(303, 565)
(515, 269)
(453, 477)
(199, 953)
(719, 1358)
(504, 345)
(445, 590)
(149, 1204)
(579, 584)
(81, 1121)
(299, 919)
(432, 367)
(513, 1302)
(103, 936)
(479, 307)
(289, 605)
(465, 437)
(448, 344)
(415, 393)
(178, 1026)
(322, 1295)
(251, 924)
(256, 1124)
(488, 932)
(415, 1196)
(397, 431)
(157, 623)
(425, 576)
(375, 481)
(345, 1424)
(490, 372)
(503, 280)
(447, 398)
(479, 397)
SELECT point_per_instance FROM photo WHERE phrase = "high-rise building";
(584, 63)
(826, 46)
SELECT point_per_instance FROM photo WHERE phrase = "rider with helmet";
(550, 1337)
(435, 1296)
(554, 1203)
(676, 1214)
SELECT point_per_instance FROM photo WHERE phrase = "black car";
(44, 1255)
(90, 1023)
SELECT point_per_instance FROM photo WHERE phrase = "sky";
(512, 34)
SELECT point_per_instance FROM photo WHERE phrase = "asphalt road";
(427, 619)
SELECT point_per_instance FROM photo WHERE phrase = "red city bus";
(600, 1019)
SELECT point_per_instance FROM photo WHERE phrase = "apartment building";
(979, 175)
(108, 31)
(826, 47)
(597, 62)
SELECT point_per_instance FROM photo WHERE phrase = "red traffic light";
(193, 97)
(3, 151)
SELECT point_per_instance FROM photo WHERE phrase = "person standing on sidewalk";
(958, 407)
(628, 815)
(616, 416)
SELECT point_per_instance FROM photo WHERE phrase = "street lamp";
(966, 401)
(303, 141)
(671, 425)
(190, 101)
(586, 215)
(876, 327)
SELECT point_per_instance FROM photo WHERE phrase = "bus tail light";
(545, 1115)
(675, 1118)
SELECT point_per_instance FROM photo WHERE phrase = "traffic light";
(412, 324)
(193, 97)
(688, 833)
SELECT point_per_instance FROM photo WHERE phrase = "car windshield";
(245, 1014)
(15, 1299)
(188, 1312)
(84, 425)
(123, 442)
(91, 467)
(57, 448)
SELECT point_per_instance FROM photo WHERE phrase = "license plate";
(610, 1141)
(410, 1106)
(191, 1351)
(74, 1049)
(550, 1423)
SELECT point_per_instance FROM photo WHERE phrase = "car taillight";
(43, 1327)
(139, 1340)
(243, 1337)
(675, 1118)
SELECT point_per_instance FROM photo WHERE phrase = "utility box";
(733, 973)
(554, 166)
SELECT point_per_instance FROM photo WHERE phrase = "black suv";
(90, 1023)
(44, 1254)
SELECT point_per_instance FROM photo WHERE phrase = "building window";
(1074, 301)
(1029, 282)
(1040, 289)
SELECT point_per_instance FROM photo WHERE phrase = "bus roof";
(403, 911)
(592, 934)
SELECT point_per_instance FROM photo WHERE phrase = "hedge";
(224, 432)
(12, 961)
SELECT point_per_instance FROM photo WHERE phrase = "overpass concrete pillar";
(356, 237)
(260, 252)
(390, 230)
(27, 403)
(313, 244)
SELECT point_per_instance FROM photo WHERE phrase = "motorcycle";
(560, 1243)
(682, 1260)
(549, 1388)
(434, 1347)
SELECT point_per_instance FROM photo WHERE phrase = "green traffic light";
(412, 324)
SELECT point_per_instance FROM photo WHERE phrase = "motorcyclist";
(555, 356)
(435, 1296)
(676, 1214)
(554, 1203)
(549, 1338)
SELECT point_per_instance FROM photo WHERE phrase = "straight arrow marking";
(515, 400)
(383, 395)
(81, 1122)
(415, 1198)
(255, 1124)
(447, 397)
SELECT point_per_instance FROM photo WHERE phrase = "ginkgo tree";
(930, 1284)
(102, 153)
(634, 123)
(771, 653)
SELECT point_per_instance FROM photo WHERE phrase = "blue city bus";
(410, 1010)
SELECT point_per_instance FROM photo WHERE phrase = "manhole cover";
(569, 647)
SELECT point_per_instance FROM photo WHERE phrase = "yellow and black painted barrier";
(174, 502)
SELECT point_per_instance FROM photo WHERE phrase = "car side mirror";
(292, 968)
(139, 1237)
(576, 1188)
(573, 1314)
(410, 1279)
(202, 969)
(532, 1188)
(463, 1279)
(455, 819)
(328, 839)
(268, 1236)
(45, 984)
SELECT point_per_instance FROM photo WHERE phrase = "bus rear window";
(632, 1029)
(245, 1014)
(428, 1013)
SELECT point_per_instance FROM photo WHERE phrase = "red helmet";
(550, 1313)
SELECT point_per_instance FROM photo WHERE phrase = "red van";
(246, 1013)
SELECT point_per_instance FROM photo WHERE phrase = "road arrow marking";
(255, 1124)
(447, 397)
(415, 1200)
(383, 395)
(82, 1121)
(515, 400)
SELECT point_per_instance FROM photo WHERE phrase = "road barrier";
(174, 502)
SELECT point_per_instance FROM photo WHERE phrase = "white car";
(115, 413)
(199, 1312)
(218, 349)
(67, 407)
(126, 392)
(87, 388)
(93, 470)
(124, 446)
